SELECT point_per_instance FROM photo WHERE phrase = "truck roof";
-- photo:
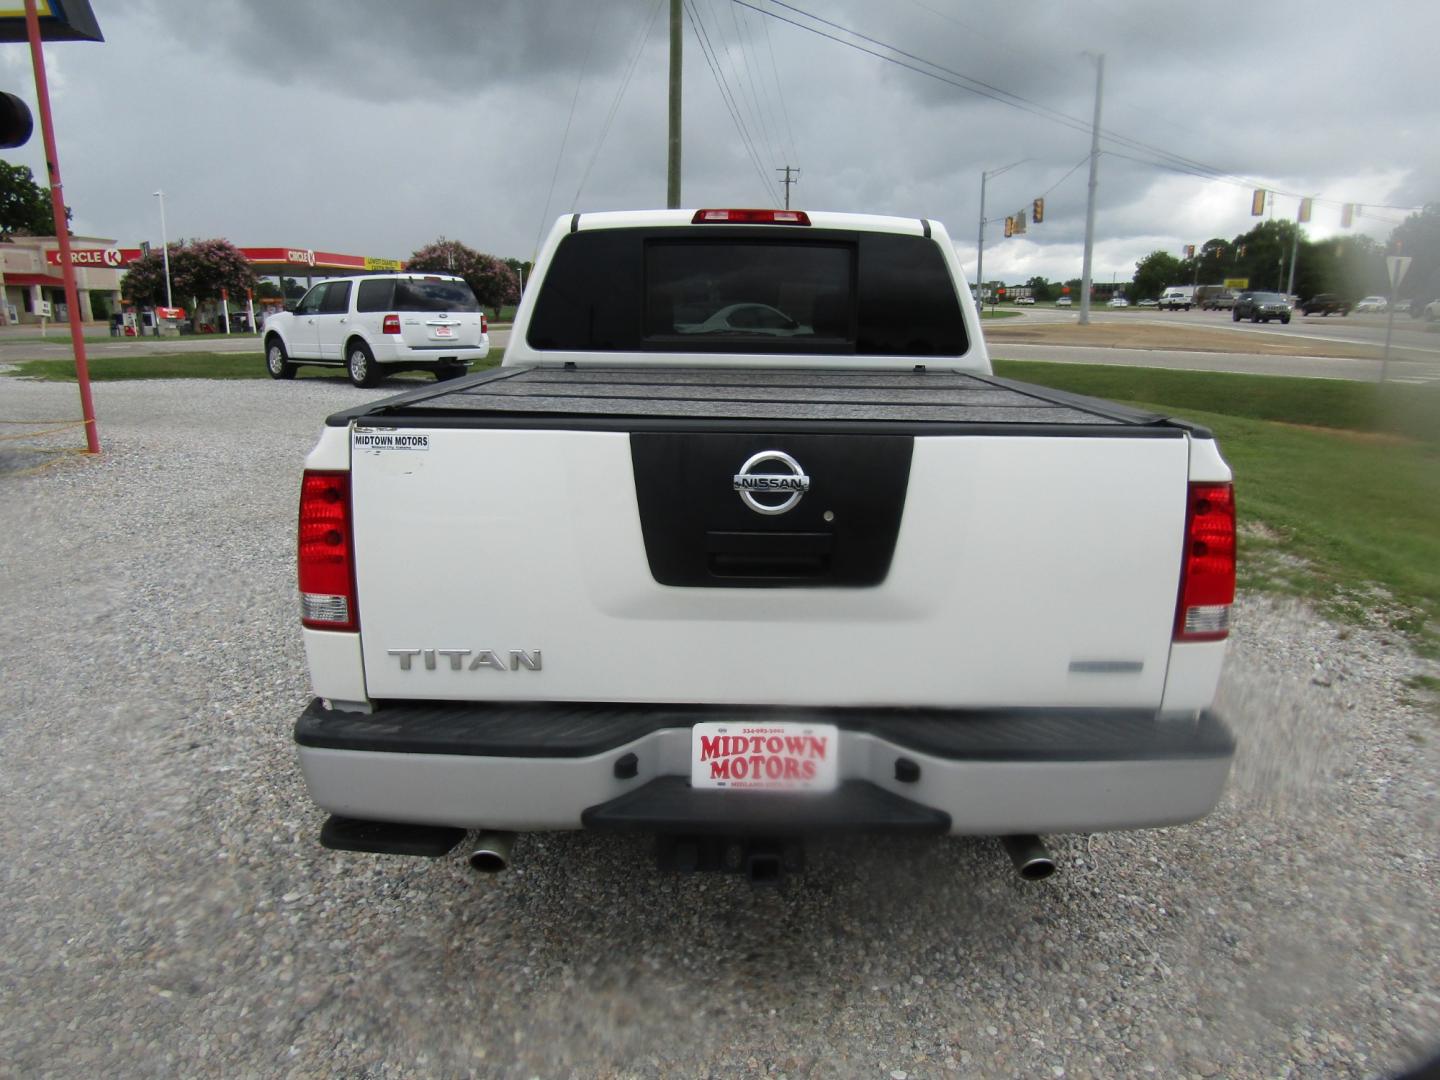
(931, 402)
(819, 219)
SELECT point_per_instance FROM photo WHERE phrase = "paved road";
(1411, 340)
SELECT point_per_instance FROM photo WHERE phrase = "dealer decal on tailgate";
(764, 757)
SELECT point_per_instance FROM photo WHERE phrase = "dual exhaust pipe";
(1033, 862)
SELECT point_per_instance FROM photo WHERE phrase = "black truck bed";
(635, 398)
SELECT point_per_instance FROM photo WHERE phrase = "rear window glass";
(421, 295)
(374, 295)
(730, 291)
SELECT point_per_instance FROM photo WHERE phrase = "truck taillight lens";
(326, 555)
(484, 324)
(391, 325)
(1207, 572)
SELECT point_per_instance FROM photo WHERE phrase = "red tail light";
(1207, 571)
(484, 323)
(751, 217)
(391, 325)
(326, 556)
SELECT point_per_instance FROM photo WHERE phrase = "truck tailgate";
(578, 536)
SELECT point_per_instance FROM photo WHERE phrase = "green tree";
(144, 282)
(25, 206)
(1041, 289)
(1153, 273)
(1418, 236)
(492, 281)
(199, 269)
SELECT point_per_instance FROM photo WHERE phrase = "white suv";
(380, 323)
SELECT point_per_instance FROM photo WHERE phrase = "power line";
(779, 90)
(707, 49)
(752, 51)
(757, 112)
(1016, 101)
(560, 155)
(645, 30)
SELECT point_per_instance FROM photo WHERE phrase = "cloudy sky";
(372, 127)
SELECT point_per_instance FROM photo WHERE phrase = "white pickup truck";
(743, 542)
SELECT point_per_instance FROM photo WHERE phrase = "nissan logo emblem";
(788, 486)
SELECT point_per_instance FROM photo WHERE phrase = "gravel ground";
(167, 910)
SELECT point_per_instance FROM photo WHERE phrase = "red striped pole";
(62, 227)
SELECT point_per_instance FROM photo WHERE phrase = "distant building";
(30, 273)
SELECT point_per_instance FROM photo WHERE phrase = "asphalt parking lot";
(168, 911)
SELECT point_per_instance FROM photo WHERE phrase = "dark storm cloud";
(394, 49)
(374, 127)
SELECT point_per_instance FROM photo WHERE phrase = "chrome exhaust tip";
(1031, 858)
(491, 854)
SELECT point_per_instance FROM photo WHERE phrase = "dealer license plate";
(444, 331)
(781, 756)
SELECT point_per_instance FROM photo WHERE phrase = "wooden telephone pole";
(672, 184)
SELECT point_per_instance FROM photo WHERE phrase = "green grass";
(187, 366)
(993, 313)
(1348, 517)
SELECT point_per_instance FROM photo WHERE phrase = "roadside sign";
(169, 312)
(89, 257)
(1237, 283)
(1397, 265)
(43, 309)
(60, 20)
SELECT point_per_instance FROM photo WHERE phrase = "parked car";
(1026, 300)
(1064, 301)
(1372, 303)
(1149, 303)
(1402, 307)
(379, 323)
(1325, 304)
(1432, 311)
(1260, 307)
(1119, 302)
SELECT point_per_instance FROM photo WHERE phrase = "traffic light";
(1037, 211)
(1009, 227)
(15, 121)
(1304, 214)
(1189, 251)
(1347, 215)
(1257, 203)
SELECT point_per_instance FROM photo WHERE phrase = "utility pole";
(672, 183)
(787, 181)
(980, 247)
(1090, 199)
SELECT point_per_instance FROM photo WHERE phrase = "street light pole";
(980, 247)
(164, 248)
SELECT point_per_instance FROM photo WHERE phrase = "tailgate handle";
(769, 554)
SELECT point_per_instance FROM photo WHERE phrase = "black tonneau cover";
(651, 398)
